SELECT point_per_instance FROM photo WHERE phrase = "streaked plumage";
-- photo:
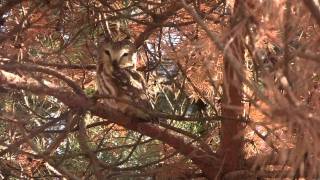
(117, 78)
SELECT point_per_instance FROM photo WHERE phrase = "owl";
(118, 79)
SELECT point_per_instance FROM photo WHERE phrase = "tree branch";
(208, 162)
(314, 9)
(12, 66)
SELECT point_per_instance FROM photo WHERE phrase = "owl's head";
(118, 54)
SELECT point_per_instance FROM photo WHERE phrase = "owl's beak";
(115, 64)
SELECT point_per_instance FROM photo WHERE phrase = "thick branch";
(314, 9)
(31, 67)
(204, 160)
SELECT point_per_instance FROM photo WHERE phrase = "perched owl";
(117, 78)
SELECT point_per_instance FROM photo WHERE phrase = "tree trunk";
(232, 107)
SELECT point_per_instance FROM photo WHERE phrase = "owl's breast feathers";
(129, 83)
(130, 86)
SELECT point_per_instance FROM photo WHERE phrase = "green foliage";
(90, 91)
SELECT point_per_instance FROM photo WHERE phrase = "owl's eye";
(125, 54)
(107, 52)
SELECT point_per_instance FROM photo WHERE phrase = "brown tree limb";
(231, 139)
(83, 139)
(12, 66)
(68, 66)
(314, 9)
(207, 162)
